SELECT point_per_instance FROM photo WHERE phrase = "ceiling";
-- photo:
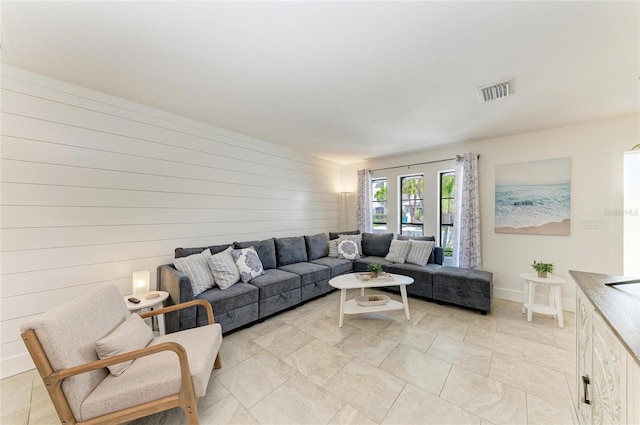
(344, 81)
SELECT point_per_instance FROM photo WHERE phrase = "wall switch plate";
(591, 223)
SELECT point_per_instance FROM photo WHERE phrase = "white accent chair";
(171, 371)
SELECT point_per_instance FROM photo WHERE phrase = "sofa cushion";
(420, 274)
(398, 251)
(308, 272)
(196, 267)
(237, 296)
(336, 235)
(132, 334)
(248, 263)
(432, 257)
(224, 269)
(376, 244)
(361, 264)
(317, 246)
(348, 250)
(420, 252)
(275, 282)
(266, 251)
(185, 252)
(290, 250)
(338, 266)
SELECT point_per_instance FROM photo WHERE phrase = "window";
(447, 205)
(412, 205)
(379, 205)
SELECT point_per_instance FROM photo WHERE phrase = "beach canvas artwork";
(534, 198)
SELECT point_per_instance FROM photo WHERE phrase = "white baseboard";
(15, 365)
(517, 296)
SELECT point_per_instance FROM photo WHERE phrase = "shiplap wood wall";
(95, 187)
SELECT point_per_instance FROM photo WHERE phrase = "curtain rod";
(417, 163)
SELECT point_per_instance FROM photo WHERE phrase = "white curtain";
(364, 219)
(466, 221)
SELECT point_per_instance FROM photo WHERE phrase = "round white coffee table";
(150, 303)
(350, 281)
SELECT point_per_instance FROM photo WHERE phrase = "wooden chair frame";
(185, 398)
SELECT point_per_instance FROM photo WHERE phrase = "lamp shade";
(140, 283)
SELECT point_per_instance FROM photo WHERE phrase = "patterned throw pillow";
(355, 238)
(195, 267)
(398, 251)
(348, 250)
(420, 252)
(248, 262)
(224, 269)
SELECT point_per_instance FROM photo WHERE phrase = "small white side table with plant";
(543, 276)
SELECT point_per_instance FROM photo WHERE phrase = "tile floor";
(447, 365)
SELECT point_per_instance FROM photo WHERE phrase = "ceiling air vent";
(495, 91)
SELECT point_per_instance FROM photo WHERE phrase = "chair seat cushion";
(158, 375)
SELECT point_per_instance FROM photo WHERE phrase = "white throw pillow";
(398, 251)
(248, 262)
(197, 270)
(420, 252)
(224, 269)
(132, 334)
(355, 238)
(348, 250)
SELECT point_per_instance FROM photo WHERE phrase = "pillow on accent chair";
(132, 334)
(248, 263)
(420, 252)
(348, 250)
(196, 268)
(224, 269)
(398, 251)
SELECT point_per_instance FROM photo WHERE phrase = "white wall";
(596, 150)
(95, 187)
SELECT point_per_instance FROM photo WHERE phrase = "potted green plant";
(374, 269)
(542, 268)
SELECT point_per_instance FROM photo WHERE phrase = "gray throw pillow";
(248, 263)
(333, 248)
(355, 238)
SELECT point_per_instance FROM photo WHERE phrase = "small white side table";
(554, 284)
(150, 304)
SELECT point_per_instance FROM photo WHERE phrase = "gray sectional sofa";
(298, 269)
